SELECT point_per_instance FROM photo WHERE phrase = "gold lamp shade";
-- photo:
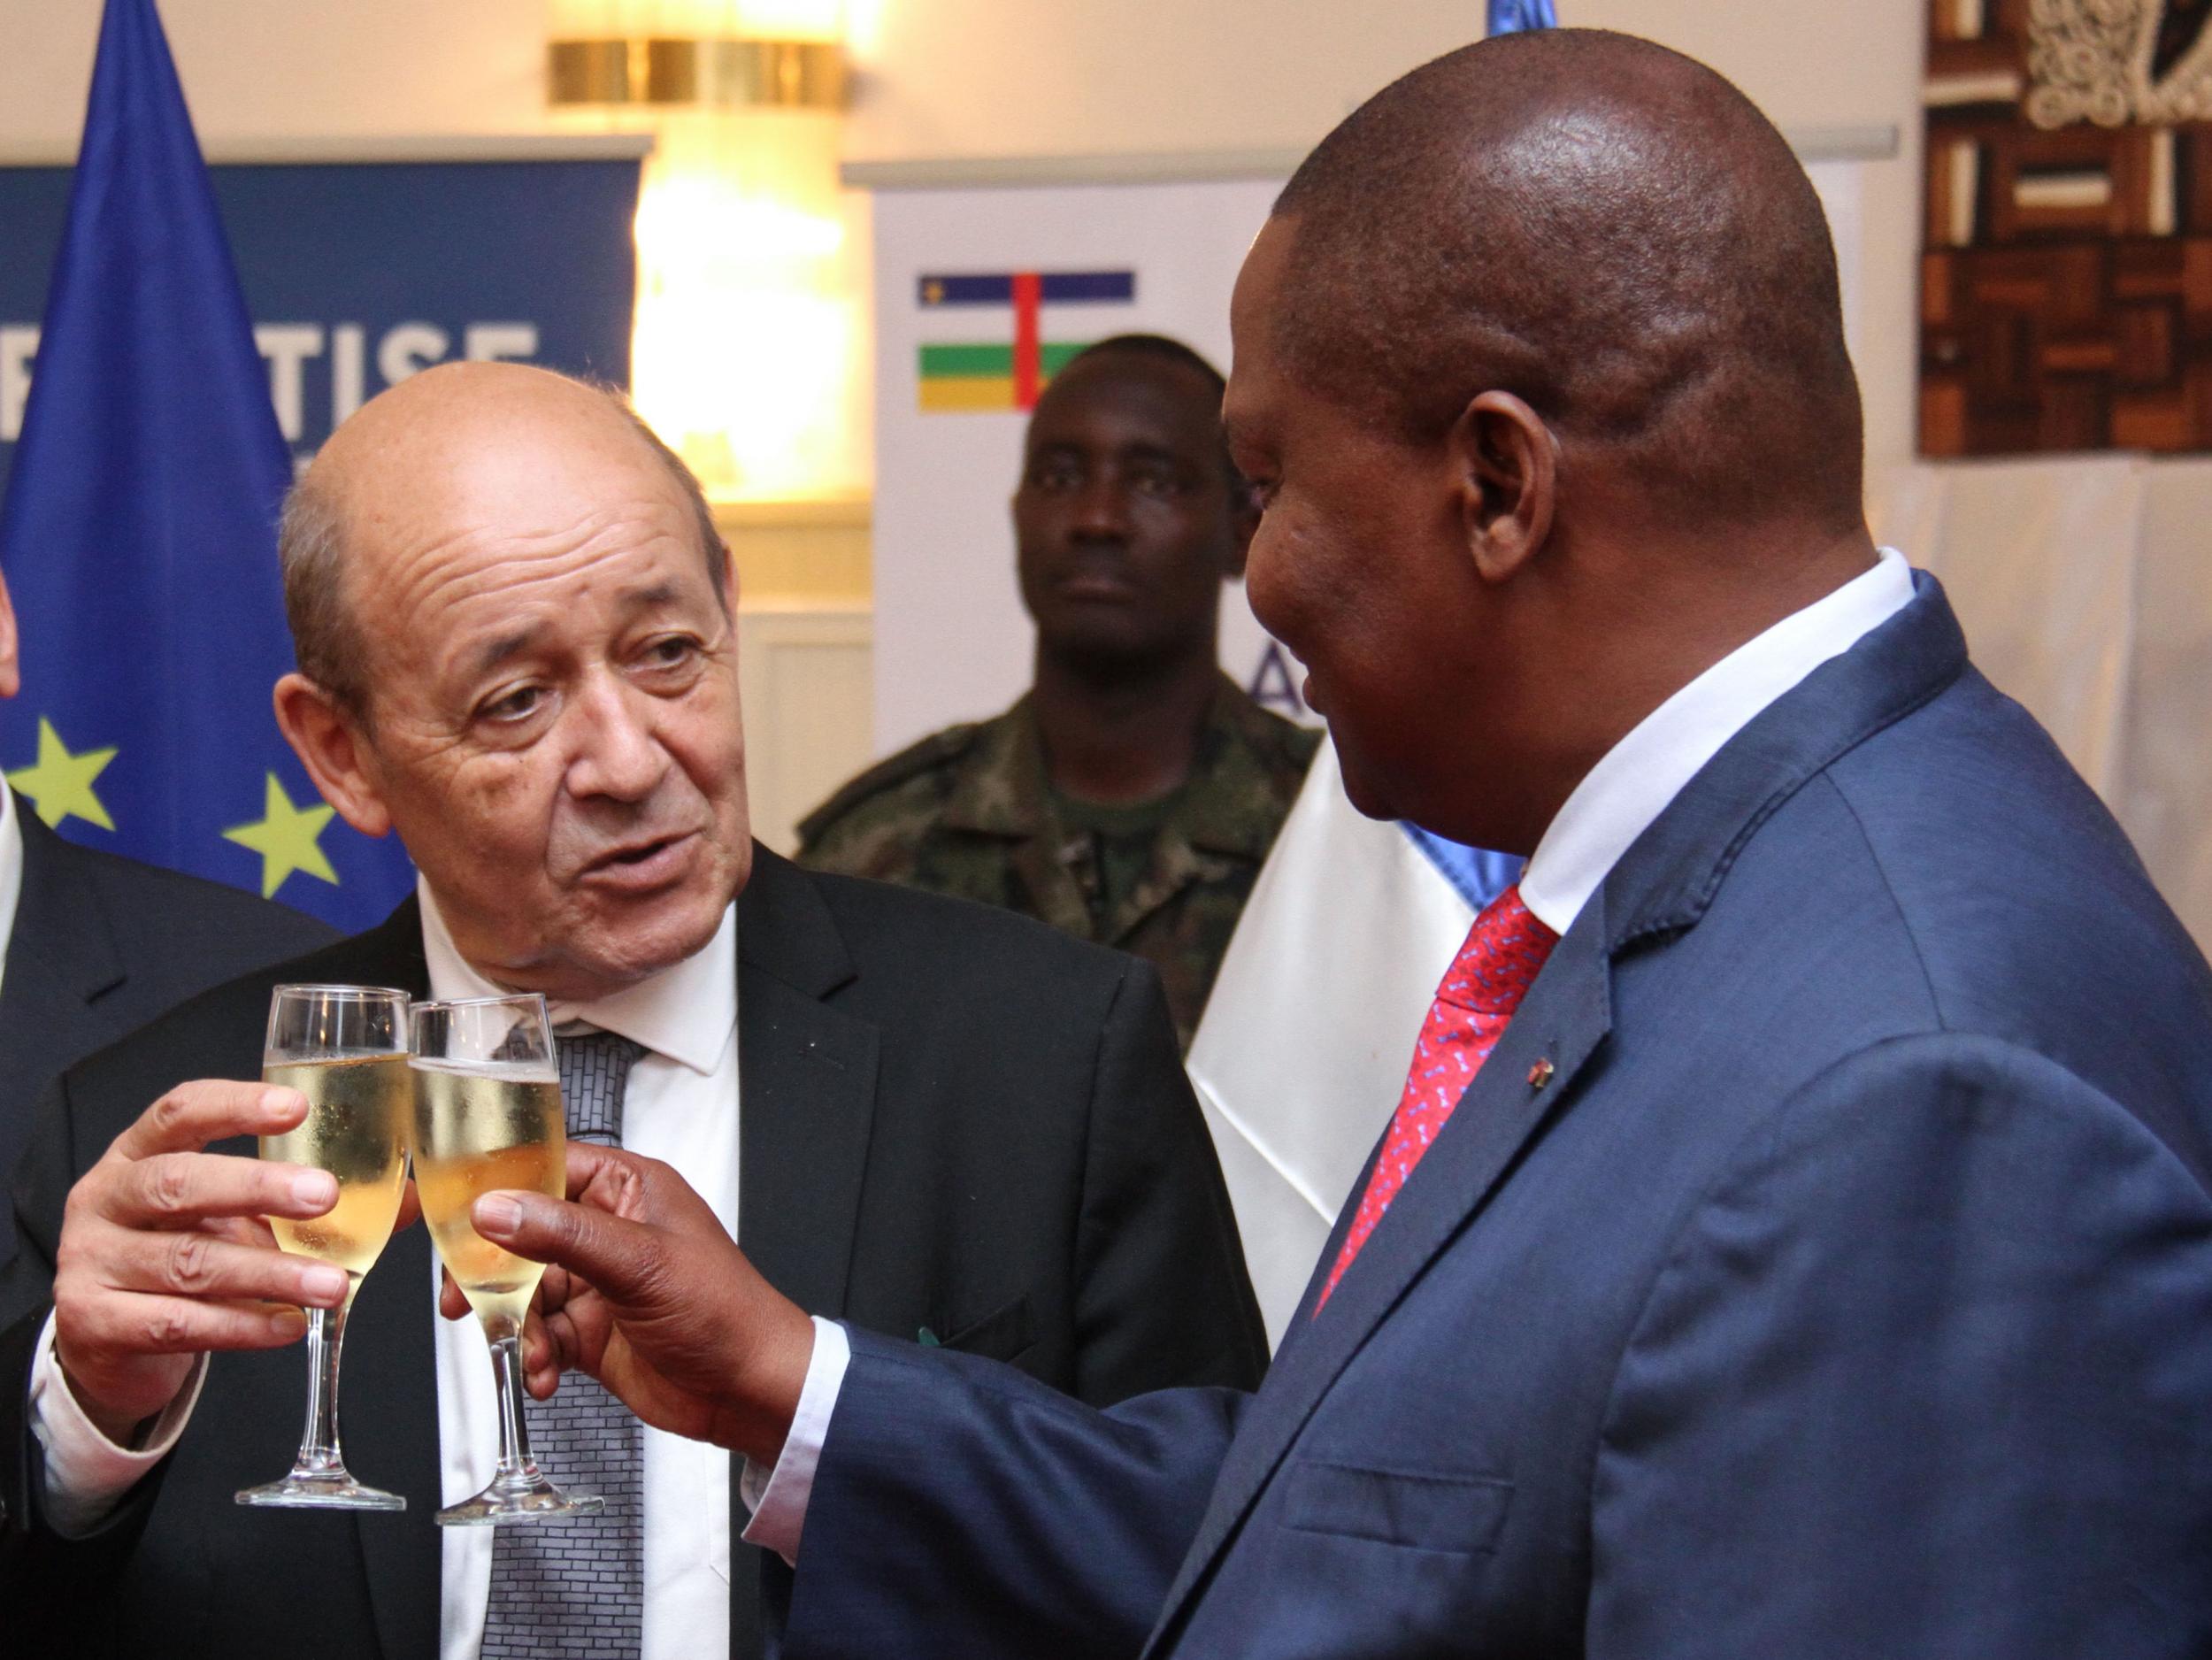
(728, 74)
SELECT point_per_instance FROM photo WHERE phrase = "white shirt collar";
(1634, 780)
(10, 869)
(687, 1011)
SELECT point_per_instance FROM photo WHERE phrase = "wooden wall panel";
(2067, 282)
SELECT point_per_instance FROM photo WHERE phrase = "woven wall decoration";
(2066, 276)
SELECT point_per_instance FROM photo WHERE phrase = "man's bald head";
(404, 441)
(1603, 227)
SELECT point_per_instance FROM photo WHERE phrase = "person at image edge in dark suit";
(1819, 1261)
(92, 945)
(953, 1126)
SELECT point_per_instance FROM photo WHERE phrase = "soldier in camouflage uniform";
(1131, 795)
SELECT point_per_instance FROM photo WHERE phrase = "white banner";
(952, 641)
(970, 278)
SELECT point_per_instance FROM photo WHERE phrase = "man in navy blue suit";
(1819, 1261)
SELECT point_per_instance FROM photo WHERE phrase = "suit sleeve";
(1928, 1372)
(45, 1576)
(1162, 1298)
(963, 1509)
(38, 1187)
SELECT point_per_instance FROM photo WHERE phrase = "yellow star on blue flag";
(285, 839)
(139, 536)
(60, 783)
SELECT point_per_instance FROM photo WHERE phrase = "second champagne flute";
(488, 1117)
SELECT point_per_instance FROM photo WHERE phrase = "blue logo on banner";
(1507, 17)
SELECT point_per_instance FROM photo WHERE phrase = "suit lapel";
(61, 955)
(807, 1095)
(1563, 1020)
(807, 1089)
(807, 1085)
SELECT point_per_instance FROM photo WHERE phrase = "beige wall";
(1012, 77)
(264, 68)
(951, 78)
(941, 77)
(954, 77)
(1016, 77)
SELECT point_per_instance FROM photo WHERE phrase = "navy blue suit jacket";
(1846, 1290)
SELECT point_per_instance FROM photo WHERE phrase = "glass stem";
(319, 1452)
(515, 1463)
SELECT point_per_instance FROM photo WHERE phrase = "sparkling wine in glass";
(488, 1117)
(345, 1048)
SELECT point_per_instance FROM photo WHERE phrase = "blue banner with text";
(357, 274)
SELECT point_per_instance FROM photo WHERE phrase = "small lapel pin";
(1539, 1074)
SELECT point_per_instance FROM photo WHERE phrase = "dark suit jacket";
(950, 1117)
(1845, 1288)
(100, 946)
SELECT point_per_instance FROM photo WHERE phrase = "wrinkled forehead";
(558, 539)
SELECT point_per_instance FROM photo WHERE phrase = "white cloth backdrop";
(2084, 587)
(1304, 1047)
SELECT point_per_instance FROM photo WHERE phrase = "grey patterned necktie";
(562, 1589)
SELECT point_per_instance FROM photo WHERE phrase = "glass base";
(327, 1490)
(529, 1499)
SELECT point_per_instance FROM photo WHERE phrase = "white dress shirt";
(1633, 781)
(10, 871)
(679, 1105)
(1616, 802)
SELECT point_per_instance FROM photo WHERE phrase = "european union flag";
(138, 536)
(1507, 16)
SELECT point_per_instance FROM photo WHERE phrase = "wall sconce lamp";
(731, 74)
(751, 347)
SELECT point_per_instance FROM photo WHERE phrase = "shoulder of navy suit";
(83, 905)
(2027, 915)
(1671, 873)
(1983, 1243)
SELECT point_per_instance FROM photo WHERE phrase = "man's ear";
(331, 747)
(1507, 463)
(11, 667)
(729, 581)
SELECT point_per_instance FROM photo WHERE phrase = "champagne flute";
(345, 1048)
(488, 1115)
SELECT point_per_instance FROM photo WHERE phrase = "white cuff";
(87, 1474)
(779, 1500)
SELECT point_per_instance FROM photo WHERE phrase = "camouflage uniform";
(970, 811)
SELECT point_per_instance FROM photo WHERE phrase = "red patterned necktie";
(1474, 1003)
